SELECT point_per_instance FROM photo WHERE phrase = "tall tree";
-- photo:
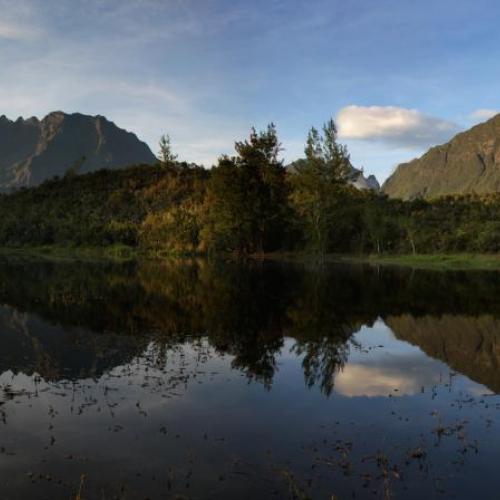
(248, 195)
(316, 181)
(165, 154)
(335, 155)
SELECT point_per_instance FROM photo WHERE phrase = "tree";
(373, 218)
(335, 155)
(247, 196)
(266, 194)
(316, 182)
(165, 153)
(409, 224)
(227, 223)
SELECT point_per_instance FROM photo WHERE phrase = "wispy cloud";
(10, 31)
(19, 20)
(396, 126)
(483, 114)
(14, 31)
(205, 71)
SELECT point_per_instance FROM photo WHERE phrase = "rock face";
(356, 177)
(33, 150)
(358, 180)
(469, 163)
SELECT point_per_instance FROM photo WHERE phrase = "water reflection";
(468, 344)
(73, 320)
(225, 379)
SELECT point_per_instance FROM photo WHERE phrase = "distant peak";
(494, 118)
(33, 150)
(468, 163)
(55, 115)
(33, 120)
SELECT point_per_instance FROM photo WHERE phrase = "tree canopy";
(249, 203)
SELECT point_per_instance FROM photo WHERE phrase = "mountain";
(359, 181)
(34, 150)
(356, 177)
(469, 163)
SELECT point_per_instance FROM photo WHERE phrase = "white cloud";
(105, 64)
(11, 31)
(400, 127)
(483, 114)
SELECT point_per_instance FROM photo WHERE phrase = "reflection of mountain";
(468, 344)
(79, 319)
(30, 345)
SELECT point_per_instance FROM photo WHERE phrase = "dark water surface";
(222, 380)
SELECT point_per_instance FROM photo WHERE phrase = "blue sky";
(398, 75)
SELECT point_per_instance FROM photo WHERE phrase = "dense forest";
(249, 203)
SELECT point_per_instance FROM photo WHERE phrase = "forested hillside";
(248, 203)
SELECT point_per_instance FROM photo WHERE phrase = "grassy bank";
(114, 252)
(125, 253)
(109, 252)
(435, 261)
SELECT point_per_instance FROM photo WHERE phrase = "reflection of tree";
(81, 318)
(322, 360)
(321, 331)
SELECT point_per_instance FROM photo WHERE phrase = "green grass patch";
(437, 261)
(52, 252)
(462, 261)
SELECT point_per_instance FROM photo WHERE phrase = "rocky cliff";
(469, 163)
(34, 150)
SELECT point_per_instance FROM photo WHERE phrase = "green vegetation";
(249, 204)
(61, 253)
(438, 261)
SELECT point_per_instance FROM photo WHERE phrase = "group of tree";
(248, 203)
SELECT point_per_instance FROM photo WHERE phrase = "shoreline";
(459, 261)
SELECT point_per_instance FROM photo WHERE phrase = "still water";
(190, 379)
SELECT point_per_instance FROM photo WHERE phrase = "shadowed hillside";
(33, 150)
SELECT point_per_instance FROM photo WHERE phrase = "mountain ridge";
(33, 150)
(468, 164)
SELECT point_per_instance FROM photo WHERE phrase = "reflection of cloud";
(363, 380)
(400, 127)
(479, 390)
(407, 373)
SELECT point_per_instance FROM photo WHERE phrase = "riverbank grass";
(438, 261)
(461, 261)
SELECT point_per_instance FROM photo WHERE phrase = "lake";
(221, 380)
